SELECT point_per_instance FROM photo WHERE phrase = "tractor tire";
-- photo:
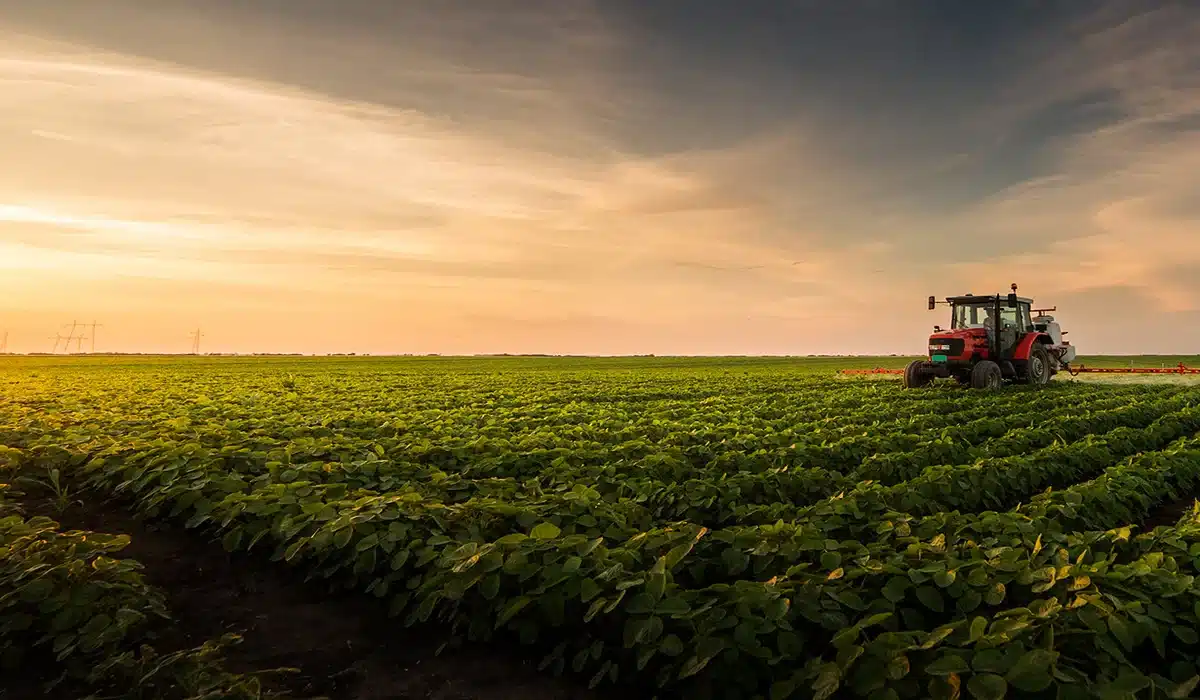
(986, 375)
(914, 378)
(1038, 369)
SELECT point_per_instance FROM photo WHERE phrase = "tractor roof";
(985, 299)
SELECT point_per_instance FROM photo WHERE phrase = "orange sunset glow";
(587, 177)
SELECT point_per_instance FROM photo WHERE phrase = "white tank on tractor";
(1060, 349)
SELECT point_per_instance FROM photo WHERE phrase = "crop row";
(417, 554)
(1003, 437)
(70, 601)
(746, 486)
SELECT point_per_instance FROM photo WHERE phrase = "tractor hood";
(963, 333)
(958, 345)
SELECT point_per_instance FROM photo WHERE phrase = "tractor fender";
(1026, 345)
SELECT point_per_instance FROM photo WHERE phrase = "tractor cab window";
(972, 316)
(1016, 318)
(1009, 317)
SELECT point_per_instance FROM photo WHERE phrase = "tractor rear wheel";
(986, 375)
(914, 378)
(1037, 369)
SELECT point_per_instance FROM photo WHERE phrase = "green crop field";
(726, 528)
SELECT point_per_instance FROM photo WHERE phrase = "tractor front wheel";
(1037, 369)
(914, 378)
(986, 375)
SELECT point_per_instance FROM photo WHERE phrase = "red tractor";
(993, 340)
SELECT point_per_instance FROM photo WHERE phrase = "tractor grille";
(951, 347)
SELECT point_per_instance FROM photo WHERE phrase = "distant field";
(718, 527)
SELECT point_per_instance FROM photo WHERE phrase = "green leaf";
(1120, 630)
(848, 655)
(290, 553)
(896, 588)
(846, 637)
(510, 610)
(828, 680)
(640, 604)
(595, 608)
(931, 598)
(657, 585)
(978, 628)
(898, 668)
(634, 627)
(233, 540)
(671, 645)
(37, 590)
(946, 664)
(1184, 689)
(944, 687)
(588, 589)
(987, 686)
(1129, 682)
(944, 578)
(673, 606)
(489, 588)
(1187, 635)
(706, 649)
(545, 531)
(1090, 616)
(969, 601)
(677, 554)
(514, 538)
(1032, 672)
(992, 660)
(831, 560)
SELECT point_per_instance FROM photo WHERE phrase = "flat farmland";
(569, 527)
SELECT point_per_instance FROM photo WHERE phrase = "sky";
(594, 176)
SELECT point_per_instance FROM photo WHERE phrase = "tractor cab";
(1002, 324)
(991, 339)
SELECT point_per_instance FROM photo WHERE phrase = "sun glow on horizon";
(456, 188)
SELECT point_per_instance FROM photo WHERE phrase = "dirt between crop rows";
(1168, 513)
(344, 645)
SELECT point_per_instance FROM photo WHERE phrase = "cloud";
(139, 170)
(437, 167)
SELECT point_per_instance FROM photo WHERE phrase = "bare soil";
(344, 645)
(1169, 513)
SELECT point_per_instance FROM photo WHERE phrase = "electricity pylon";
(196, 336)
(70, 336)
(4, 343)
(94, 327)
